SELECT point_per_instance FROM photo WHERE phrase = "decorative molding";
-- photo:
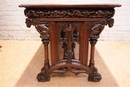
(70, 13)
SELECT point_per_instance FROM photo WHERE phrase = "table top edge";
(69, 5)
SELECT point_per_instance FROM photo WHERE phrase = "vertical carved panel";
(68, 35)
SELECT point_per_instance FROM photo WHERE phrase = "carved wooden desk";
(69, 24)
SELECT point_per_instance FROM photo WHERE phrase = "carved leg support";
(95, 77)
(42, 76)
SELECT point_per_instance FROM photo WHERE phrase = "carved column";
(43, 29)
(96, 29)
(95, 75)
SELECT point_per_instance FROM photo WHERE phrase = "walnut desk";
(69, 24)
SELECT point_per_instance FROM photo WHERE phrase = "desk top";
(58, 6)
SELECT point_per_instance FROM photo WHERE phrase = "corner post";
(44, 30)
(95, 30)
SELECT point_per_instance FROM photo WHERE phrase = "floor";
(21, 61)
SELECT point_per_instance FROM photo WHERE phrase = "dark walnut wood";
(68, 25)
(69, 13)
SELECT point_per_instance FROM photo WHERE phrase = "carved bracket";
(42, 27)
(97, 27)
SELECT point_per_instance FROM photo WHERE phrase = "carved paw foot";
(41, 77)
(96, 77)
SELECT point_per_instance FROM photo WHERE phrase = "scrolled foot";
(41, 77)
(96, 77)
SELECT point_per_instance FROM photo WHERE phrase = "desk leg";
(95, 75)
(42, 75)
(43, 29)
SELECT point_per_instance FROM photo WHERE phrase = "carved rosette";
(70, 13)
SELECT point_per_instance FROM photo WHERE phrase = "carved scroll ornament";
(70, 13)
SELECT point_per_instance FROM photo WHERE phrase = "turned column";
(95, 75)
(46, 61)
(93, 43)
